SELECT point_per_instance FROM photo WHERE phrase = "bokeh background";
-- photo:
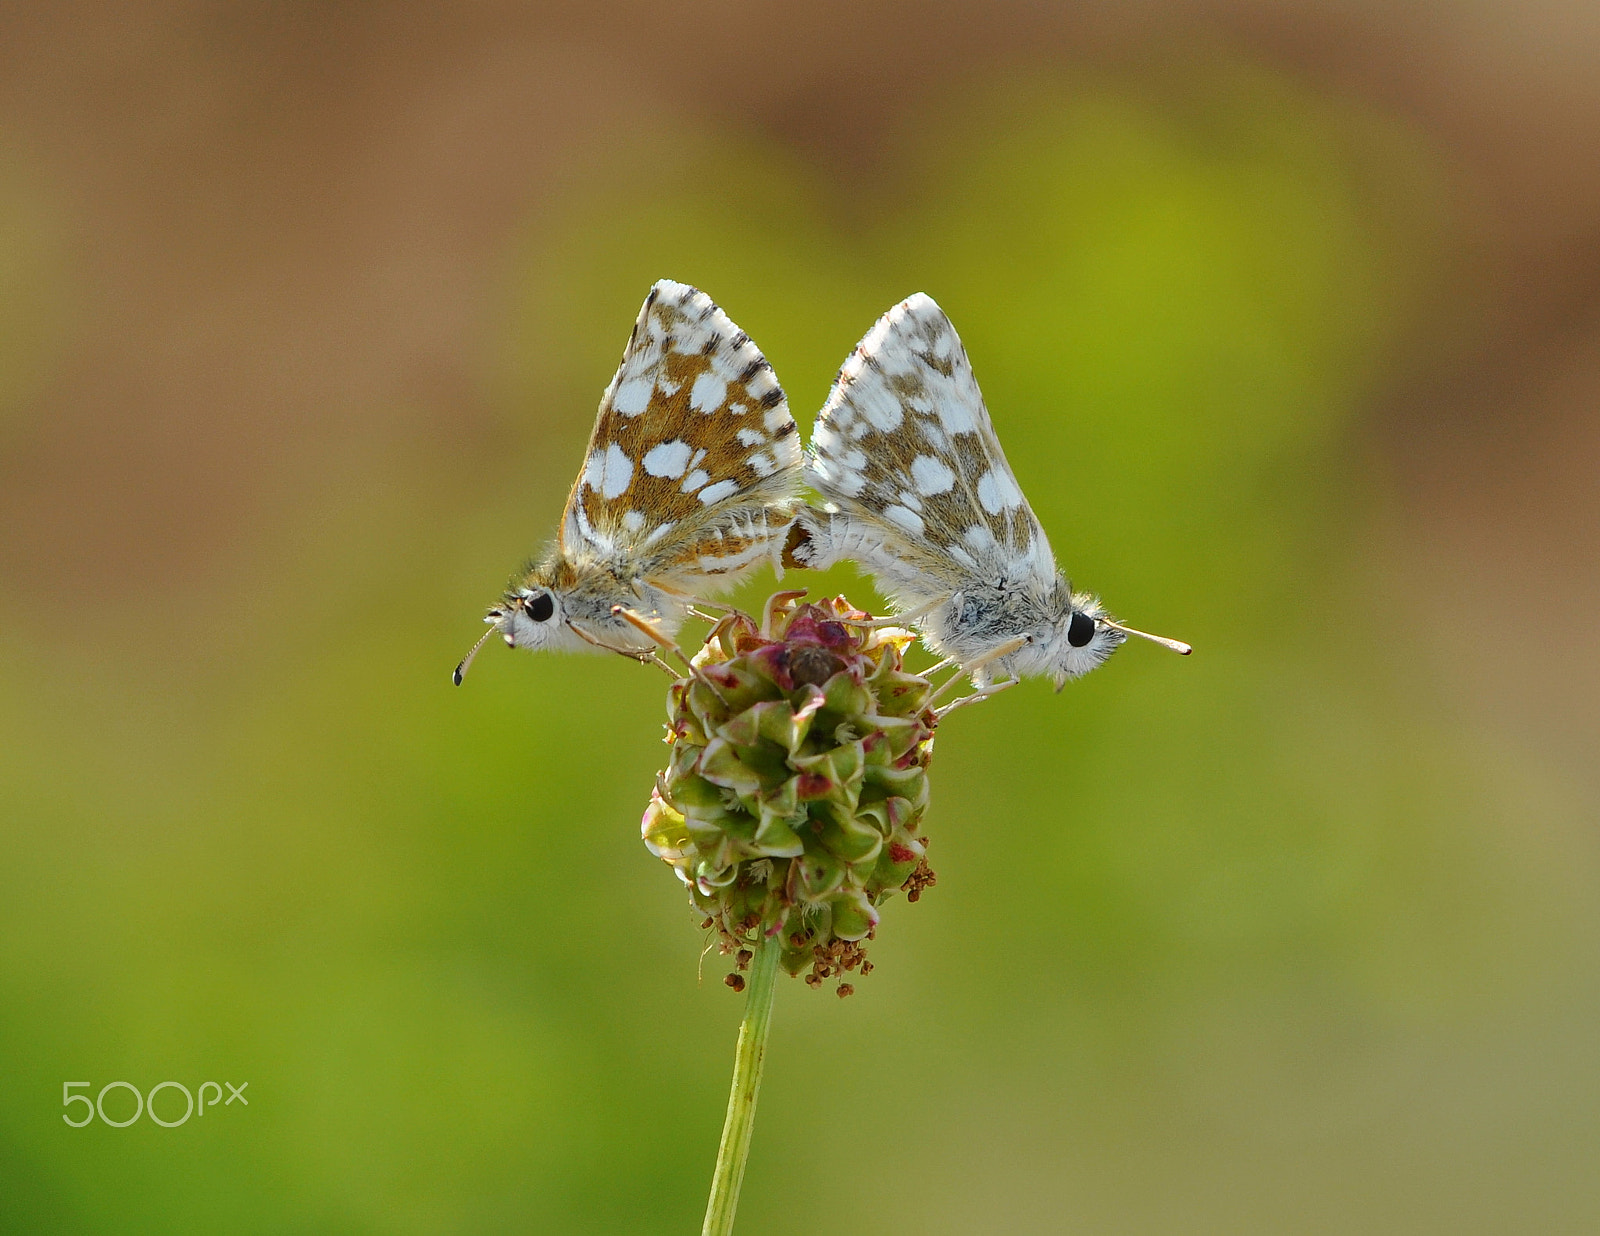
(1289, 317)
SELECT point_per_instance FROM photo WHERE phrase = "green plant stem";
(748, 1062)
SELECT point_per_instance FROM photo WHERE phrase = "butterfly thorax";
(981, 617)
(1064, 634)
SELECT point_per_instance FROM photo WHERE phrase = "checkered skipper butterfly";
(689, 482)
(917, 490)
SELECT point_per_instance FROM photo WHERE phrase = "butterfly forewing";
(694, 458)
(689, 481)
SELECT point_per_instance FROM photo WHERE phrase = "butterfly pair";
(692, 479)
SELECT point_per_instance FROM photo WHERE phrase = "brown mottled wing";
(904, 443)
(694, 462)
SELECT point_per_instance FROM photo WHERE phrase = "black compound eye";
(540, 607)
(1081, 629)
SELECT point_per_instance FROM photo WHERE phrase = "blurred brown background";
(262, 222)
(304, 310)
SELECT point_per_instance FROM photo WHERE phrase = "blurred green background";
(1289, 327)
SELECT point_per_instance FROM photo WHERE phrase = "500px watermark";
(145, 1104)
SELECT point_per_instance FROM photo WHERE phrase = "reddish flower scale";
(792, 801)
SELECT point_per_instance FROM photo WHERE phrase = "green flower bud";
(792, 802)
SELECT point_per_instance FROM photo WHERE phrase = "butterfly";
(917, 491)
(690, 480)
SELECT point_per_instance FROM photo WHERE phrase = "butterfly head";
(1087, 635)
(1082, 640)
(530, 617)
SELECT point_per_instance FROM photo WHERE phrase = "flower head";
(792, 802)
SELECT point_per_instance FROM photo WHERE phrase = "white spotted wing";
(688, 483)
(917, 490)
(905, 442)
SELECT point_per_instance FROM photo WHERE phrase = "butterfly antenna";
(466, 661)
(1177, 645)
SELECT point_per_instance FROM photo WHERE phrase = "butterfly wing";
(691, 472)
(917, 487)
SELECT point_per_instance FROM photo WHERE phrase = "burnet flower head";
(791, 805)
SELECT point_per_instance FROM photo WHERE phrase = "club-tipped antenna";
(1177, 645)
(466, 661)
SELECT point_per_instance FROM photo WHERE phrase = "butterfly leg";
(649, 629)
(898, 620)
(644, 657)
(695, 607)
(982, 693)
(938, 667)
(951, 681)
(988, 658)
(680, 595)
